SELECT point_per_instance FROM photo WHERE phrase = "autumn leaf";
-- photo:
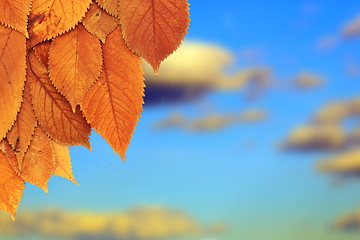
(39, 161)
(21, 133)
(99, 22)
(111, 6)
(50, 18)
(67, 66)
(63, 161)
(11, 187)
(52, 110)
(75, 63)
(12, 76)
(14, 13)
(154, 28)
(9, 152)
(42, 52)
(113, 105)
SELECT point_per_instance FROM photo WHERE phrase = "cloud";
(348, 222)
(196, 68)
(338, 111)
(352, 28)
(212, 122)
(308, 80)
(314, 138)
(349, 30)
(345, 164)
(334, 130)
(326, 130)
(141, 223)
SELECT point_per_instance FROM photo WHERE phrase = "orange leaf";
(63, 168)
(10, 156)
(12, 76)
(13, 13)
(52, 110)
(75, 63)
(42, 52)
(154, 28)
(113, 105)
(21, 133)
(39, 161)
(11, 187)
(50, 18)
(111, 6)
(99, 22)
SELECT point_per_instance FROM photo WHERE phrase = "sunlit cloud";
(197, 68)
(343, 164)
(143, 223)
(334, 129)
(314, 138)
(348, 222)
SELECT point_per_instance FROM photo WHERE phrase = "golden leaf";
(154, 28)
(52, 110)
(14, 13)
(12, 76)
(113, 105)
(99, 22)
(75, 63)
(50, 18)
(39, 161)
(63, 161)
(21, 133)
(11, 187)
(110, 6)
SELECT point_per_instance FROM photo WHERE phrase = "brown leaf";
(113, 105)
(39, 161)
(14, 13)
(75, 63)
(99, 22)
(12, 76)
(52, 110)
(50, 18)
(11, 187)
(154, 28)
(63, 168)
(21, 133)
(110, 6)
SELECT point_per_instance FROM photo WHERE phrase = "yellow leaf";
(11, 187)
(99, 23)
(63, 168)
(111, 6)
(12, 76)
(113, 105)
(14, 13)
(39, 161)
(75, 63)
(50, 18)
(52, 110)
(21, 133)
(154, 28)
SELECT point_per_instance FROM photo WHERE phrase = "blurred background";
(250, 131)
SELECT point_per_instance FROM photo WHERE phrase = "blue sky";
(258, 192)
